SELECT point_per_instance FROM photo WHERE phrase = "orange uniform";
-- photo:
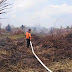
(28, 35)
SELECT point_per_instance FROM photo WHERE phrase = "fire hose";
(39, 59)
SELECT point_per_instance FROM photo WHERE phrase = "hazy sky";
(47, 13)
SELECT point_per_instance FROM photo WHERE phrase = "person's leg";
(28, 43)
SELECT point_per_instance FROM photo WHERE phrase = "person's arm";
(30, 36)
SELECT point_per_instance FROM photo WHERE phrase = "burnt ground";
(16, 57)
(54, 51)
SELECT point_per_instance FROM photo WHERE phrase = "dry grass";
(55, 52)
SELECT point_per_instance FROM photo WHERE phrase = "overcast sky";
(47, 13)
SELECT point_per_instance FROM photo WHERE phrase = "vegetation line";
(39, 59)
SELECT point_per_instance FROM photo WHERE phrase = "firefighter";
(28, 37)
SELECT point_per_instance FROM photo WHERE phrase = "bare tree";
(4, 6)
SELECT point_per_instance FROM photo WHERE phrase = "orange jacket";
(28, 35)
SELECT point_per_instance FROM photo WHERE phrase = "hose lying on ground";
(39, 59)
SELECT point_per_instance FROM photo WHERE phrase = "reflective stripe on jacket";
(28, 35)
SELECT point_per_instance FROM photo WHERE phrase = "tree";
(67, 27)
(71, 26)
(22, 27)
(3, 6)
(0, 25)
(8, 28)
